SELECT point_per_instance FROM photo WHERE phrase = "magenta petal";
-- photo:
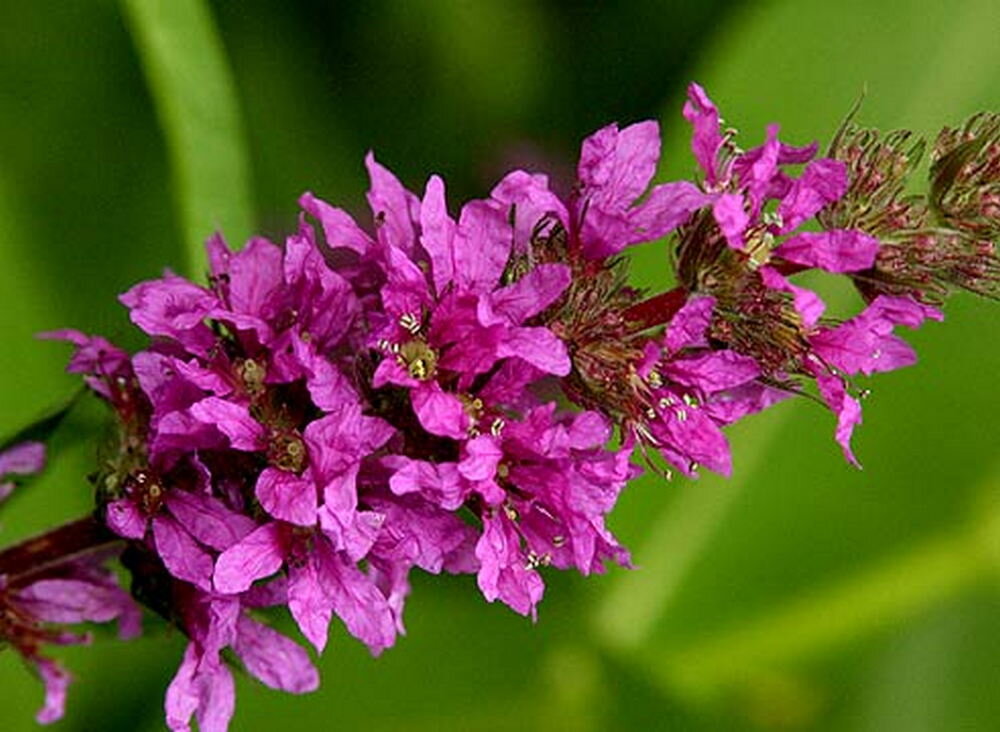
(713, 371)
(588, 430)
(25, 458)
(339, 228)
(394, 206)
(341, 440)
(838, 250)
(502, 572)
(73, 601)
(183, 695)
(538, 346)
(173, 307)
(218, 698)
(288, 497)
(846, 407)
(526, 298)
(328, 386)
(203, 687)
(527, 200)
(390, 371)
(706, 138)
(181, 554)
(808, 304)
(668, 206)
(482, 455)
(255, 277)
(56, 681)
(482, 247)
(688, 326)
(94, 357)
(439, 483)
(309, 604)
(258, 555)
(232, 420)
(274, 659)
(357, 602)
(901, 310)
(822, 182)
(732, 218)
(438, 234)
(125, 519)
(695, 436)
(208, 520)
(439, 412)
(616, 165)
(866, 344)
(352, 533)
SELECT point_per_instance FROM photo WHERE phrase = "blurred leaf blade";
(195, 97)
(42, 428)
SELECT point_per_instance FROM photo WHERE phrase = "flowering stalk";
(39, 554)
(465, 394)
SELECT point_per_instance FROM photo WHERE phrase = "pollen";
(419, 359)
(253, 375)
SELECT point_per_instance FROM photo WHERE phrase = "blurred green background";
(799, 595)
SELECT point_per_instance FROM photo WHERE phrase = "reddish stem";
(45, 551)
(788, 268)
(657, 310)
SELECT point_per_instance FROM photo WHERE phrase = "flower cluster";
(465, 394)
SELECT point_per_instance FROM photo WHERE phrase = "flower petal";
(125, 519)
(706, 138)
(231, 419)
(339, 228)
(837, 250)
(208, 519)
(482, 247)
(309, 604)
(56, 680)
(823, 181)
(273, 659)
(181, 554)
(287, 497)
(732, 218)
(439, 412)
(395, 208)
(257, 555)
(526, 298)
(616, 165)
(438, 234)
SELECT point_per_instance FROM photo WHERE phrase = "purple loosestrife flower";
(33, 605)
(203, 686)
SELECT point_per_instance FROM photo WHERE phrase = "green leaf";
(42, 428)
(195, 98)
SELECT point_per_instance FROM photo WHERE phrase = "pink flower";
(35, 607)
